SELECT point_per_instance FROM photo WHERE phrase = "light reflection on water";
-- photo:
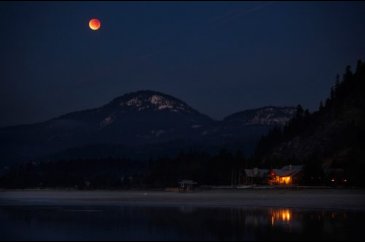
(280, 215)
(176, 223)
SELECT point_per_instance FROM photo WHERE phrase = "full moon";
(94, 24)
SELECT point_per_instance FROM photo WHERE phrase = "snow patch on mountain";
(156, 102)
(134, 102)
(107, 121)
(263, 116)
(161, 102)
(270, 117)
(157, 133)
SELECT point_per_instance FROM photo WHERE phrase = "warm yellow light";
(284, 180)
(281, 180)
(285, 215)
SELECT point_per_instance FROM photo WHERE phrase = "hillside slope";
(332, 136)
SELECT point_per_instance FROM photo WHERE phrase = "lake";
(177, 223)
(248, 214)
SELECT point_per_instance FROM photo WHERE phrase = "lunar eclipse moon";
(94, 24)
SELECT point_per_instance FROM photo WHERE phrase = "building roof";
(288, 170)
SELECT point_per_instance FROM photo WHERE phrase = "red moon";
(94, 24)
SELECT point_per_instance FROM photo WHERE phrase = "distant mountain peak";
(147, 99)
(268, 115)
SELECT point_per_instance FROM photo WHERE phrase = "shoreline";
(348, 199)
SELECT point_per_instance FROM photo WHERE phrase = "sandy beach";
(250, 198)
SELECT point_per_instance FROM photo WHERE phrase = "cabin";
(187, 185)
(287, 175)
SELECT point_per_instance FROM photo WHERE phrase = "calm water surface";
(176, 223)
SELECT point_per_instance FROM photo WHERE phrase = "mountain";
(271, 116)
(138, 124)
(332, 137)
(242, 130)
(142, 117)
(139, 118)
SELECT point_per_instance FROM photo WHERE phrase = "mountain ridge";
(137, 118)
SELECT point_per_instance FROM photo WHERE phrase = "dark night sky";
(218, 57)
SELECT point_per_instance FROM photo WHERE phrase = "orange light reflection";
(281, 215)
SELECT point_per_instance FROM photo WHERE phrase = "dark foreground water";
(176, 223)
